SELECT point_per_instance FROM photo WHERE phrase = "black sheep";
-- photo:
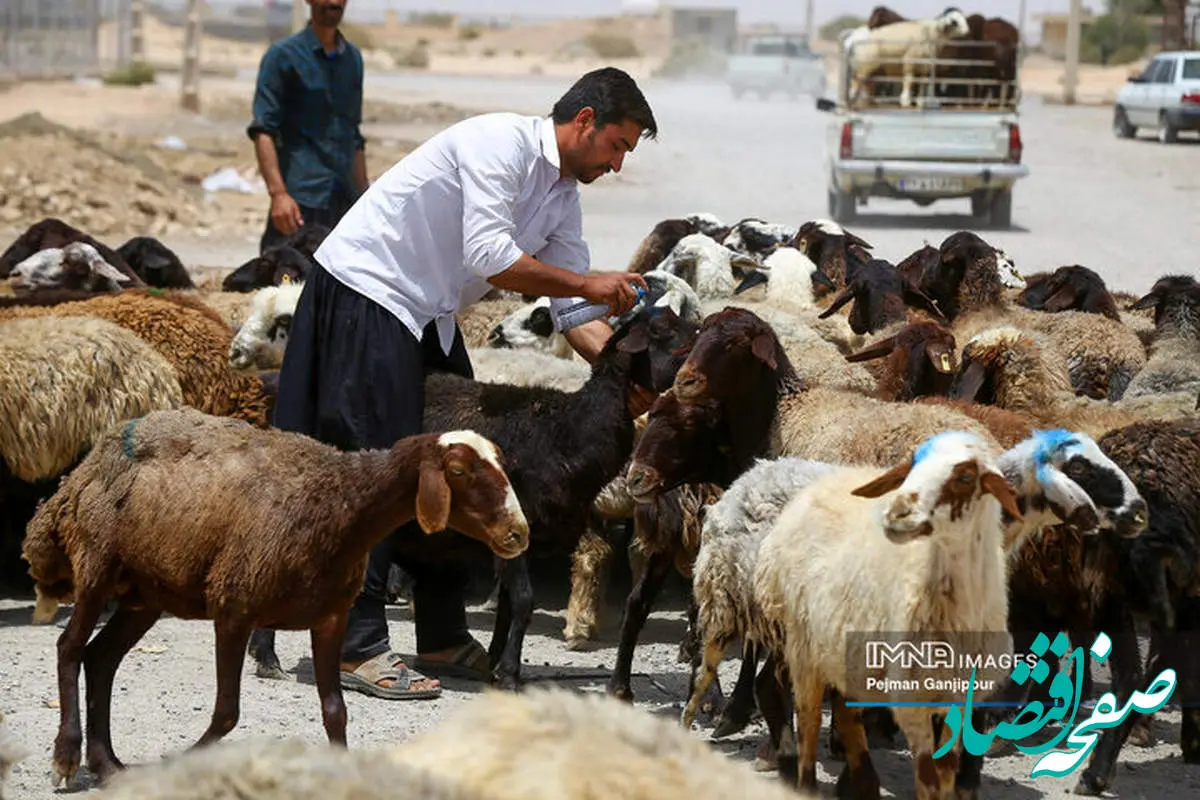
(155, 263)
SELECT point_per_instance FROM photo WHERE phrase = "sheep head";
(1078, 288)
(674, 447)
(952, 24)
(880, 293)
(462, 485)
(1084, 487)
(1176, 303)
(530, 326)
(76, 265)
(947, 476)
(924, 353)
(834, 250)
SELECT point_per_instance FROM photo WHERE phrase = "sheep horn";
(752, 279)
(878, 350)
(843, 297)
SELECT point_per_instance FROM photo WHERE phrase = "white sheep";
(64, 381)
(916, 550)
(711, 268)
(76, 265)
(528, 368)
(262, 338)
(11, 752)
(542, 744)
(911, 41)
(735, 525)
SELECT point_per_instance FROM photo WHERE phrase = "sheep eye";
(966, 477)
(456, 471)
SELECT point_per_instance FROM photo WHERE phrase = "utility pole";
(1021, 30)
(1071, 67)
(190, 81)
(299, 15)
(137, 40)
(809, 31)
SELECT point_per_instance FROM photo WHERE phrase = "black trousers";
(329, 216)
(353, 377)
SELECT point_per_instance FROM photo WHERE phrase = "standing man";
(492, 201)
(307, 111)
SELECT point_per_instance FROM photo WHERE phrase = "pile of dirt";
(49, 170)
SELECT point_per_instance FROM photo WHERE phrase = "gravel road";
(1122, 208)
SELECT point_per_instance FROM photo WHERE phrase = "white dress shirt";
(423, 239)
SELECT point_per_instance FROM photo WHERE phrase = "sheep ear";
(637, 340)
(433, 498)
(1066, 497)
(994, 484)
(843, 297)
(1061, 300)
(1149, 301)
(969, 382)
(764, 350)
(885, 482)
(878, 350)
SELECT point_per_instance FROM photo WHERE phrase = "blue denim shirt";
(310, 102)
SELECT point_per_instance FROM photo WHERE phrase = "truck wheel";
(1001, 216)
(841, 205)
(979, 204)
(1121, 127)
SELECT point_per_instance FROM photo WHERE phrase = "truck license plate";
(931, 183)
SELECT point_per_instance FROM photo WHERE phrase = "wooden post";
(299, 15)
(137, 39)
(1071, 66)
(809, 30)
(190, 81)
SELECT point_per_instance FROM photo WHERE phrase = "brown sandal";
(366, 679)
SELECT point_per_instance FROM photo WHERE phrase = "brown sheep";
(151, 518)
(191, 339)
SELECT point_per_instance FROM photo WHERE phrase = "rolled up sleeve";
(490, 176)
(267, 108)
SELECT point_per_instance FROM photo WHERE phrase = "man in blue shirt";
(307, 110)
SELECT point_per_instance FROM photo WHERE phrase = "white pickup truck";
(775, 62)
(961, 138)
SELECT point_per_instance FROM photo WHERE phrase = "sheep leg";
(637, 609)
(71, 648)
(906, 91)
(858, 779)
(327, 638)
(779, 748)
(516, 605)
(933, 778)
(690, 654)
(589, 573)
(808, 693)
(101, 658)
(736, 714)
(266, 660)
(1188, 615)
(1125, 664)
(714, 651)
(232, 638)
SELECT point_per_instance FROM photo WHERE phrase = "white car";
(1166, 97)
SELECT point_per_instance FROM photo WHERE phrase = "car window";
(1191, 69)
(1166, 71)
(1147, 75)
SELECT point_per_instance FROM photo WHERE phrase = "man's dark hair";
(613, 95)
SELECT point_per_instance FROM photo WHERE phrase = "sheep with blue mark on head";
(920, 550)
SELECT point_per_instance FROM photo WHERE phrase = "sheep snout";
(904, 520)
(642, 482)
(1132, 521)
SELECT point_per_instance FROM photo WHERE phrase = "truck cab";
(768, 63)
(961, 138)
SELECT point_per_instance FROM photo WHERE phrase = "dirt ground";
(99, 157)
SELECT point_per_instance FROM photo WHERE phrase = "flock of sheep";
(970, 58)
(842, 443)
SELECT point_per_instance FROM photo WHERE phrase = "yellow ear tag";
(285, 278)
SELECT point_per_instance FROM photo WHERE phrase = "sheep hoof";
(1090, 784)
(506, 683)
(621, 693)
(65, 767)
(767, 758)
(1141, 735)
(729, 724)
(272, 672)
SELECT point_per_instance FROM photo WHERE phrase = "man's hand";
(285, 214)
(640, 400)
(614, 288)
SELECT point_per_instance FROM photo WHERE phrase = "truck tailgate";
(931, 135)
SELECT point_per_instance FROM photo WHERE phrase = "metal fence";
(62, 38)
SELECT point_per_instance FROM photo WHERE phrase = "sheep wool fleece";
(353, 377)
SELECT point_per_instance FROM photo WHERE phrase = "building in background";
(716, 27)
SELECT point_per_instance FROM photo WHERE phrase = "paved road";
(1126, 209)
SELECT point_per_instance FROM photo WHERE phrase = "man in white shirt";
(492, 201)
